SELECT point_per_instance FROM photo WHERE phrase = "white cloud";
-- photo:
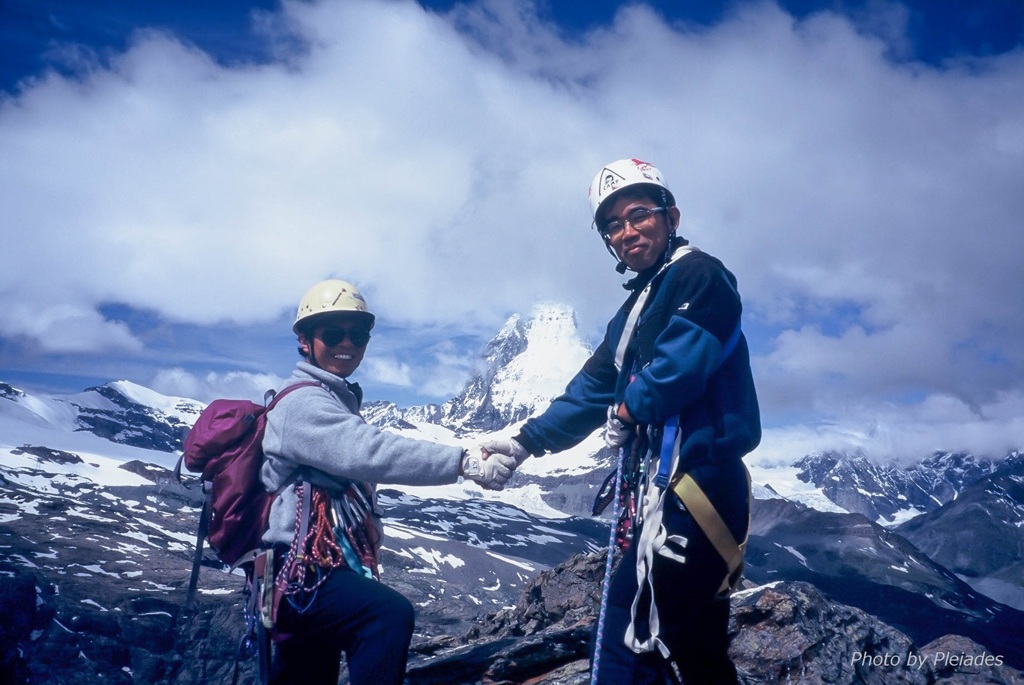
(177, 382)
(59, 326)
(871, 209)
(387, 370)
(445, 377)
(904, 433)
(437, 371)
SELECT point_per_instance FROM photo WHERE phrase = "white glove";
(508, 447)
(491, 473)
(615, 432)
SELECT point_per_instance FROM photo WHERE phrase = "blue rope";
(606, 585)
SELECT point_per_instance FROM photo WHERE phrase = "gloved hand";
(616, 433)
(490, 473)
(508, 447)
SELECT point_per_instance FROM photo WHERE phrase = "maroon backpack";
(225, 446)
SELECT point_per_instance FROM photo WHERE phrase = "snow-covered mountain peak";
(10, 392)
(520, 370)
(553, 326)
(180, 408)
(122, 412)
(551, 354)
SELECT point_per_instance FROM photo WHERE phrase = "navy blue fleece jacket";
(672, 366)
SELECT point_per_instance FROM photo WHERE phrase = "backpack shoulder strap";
(197, 558)
(272, 397)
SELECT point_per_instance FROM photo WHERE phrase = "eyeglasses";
(636, 218)
(333, 336)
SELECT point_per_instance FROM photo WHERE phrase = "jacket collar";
(339, 386)
(645, 276)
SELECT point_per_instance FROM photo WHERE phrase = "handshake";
(498, 459)
(495, 463)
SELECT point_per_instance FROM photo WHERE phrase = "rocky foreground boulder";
(787, 632)
(782, 633)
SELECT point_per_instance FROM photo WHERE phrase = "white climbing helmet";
(330, 297)
(622, 174)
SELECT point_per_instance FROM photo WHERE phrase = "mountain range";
(96, 538)
(888, 493)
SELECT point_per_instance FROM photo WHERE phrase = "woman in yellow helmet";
(325, 462)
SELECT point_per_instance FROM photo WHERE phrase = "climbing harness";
(717, 532)
(655, 540)
(329, 533)
(639, 493)
(654, 537)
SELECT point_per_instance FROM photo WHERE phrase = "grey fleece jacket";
(318, 429)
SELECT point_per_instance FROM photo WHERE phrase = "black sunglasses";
(333, 336)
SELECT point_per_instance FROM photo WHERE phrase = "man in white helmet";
(672, 385)
(325, 462)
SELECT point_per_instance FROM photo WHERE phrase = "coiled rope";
(317, 551)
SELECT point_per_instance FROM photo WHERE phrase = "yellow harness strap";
(711, 523)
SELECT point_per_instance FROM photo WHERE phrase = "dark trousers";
(364, 619)
(694, 622)
(699, 649)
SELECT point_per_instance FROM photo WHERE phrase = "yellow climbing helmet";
(332, 296)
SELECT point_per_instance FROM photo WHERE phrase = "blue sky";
(175, 174)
